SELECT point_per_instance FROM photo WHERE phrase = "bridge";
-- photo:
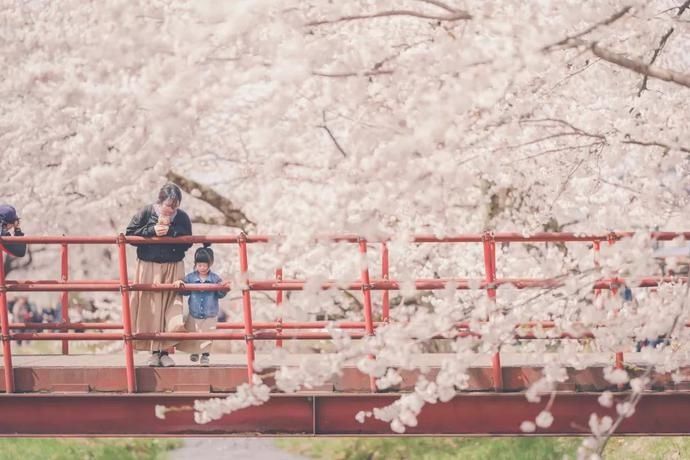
(116, 394)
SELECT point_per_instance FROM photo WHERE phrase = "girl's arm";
(181, 283)
(221, 294)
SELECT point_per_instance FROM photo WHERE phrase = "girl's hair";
(170, 192)
(203, 255)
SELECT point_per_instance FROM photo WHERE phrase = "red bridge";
(70, 395)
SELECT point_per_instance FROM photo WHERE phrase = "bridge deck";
(106, 373)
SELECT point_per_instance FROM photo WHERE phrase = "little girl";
(203, 305)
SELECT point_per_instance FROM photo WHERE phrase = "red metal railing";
(279, 330)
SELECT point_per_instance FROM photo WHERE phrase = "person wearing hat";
(11, 227)
(203, 305)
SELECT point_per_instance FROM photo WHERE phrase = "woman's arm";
(182, 226)
(140, 225)
(16, 249)
(180, 284)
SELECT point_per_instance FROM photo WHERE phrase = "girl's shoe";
(194, 357)
(154, 360)
(205, 360)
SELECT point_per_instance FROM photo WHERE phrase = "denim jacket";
(203, 304)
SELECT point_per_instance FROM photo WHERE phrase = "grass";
(532, 448)
(85, 449)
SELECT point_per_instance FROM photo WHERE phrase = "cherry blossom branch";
(325, 127)
(606, 22)
(452, 15)
(377, 69)
(630, 405)
(368, 73)
(656, 144)
(636, 65)
(662, 43)
(439, 4)
(574, 41)
(657, 52)
(233, 216)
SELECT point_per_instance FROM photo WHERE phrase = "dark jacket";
(16, 249)
(143, 224)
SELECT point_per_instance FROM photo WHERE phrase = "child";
(203, 305)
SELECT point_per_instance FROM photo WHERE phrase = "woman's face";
(168, 207)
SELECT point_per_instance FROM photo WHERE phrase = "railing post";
(489, 245)
(614, 291)
(126, 315)
(246, 306)
(279, 303)
(385, 274)
(366, 293)
(597, 248)
(5, 327)
(64, 298)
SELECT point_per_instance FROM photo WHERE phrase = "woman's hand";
(161, 230)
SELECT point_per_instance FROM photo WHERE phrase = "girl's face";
(202, 267)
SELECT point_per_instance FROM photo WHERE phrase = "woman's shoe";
(167, 361)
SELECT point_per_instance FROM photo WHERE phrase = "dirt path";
(230, 448)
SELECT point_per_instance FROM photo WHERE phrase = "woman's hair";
(170, 192)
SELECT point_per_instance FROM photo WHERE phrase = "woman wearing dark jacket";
(159, 264)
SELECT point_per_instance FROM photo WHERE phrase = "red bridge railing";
(279, 330)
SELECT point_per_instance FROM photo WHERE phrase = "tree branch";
(368, 73)
(638, 66)
(325, 127)
(455, 15)
(615, 58)
(657, 51)
(233, 216)
(608, 21)
(439, 4)
(656, 144)
(662, 43)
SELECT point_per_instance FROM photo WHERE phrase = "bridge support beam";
(477, 414)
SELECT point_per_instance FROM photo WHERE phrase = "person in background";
(9, 220)
(23, 311)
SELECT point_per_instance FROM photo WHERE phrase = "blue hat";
(8, 214)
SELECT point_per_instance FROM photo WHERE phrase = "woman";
(159, 264)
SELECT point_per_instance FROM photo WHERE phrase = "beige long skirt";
(156, 311)
(198, 325)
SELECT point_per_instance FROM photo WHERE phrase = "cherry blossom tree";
(374, 117)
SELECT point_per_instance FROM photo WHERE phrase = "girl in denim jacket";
(203, 305)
